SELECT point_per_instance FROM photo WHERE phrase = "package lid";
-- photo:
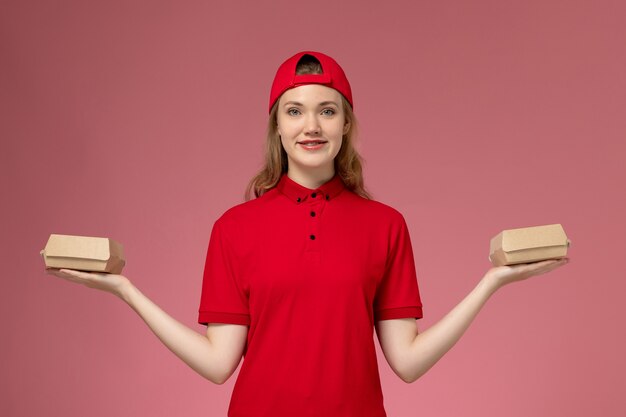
(524, 238)
(82, 247)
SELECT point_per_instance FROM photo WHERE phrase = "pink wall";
(143, 121)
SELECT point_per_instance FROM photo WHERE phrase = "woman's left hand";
(499, 276)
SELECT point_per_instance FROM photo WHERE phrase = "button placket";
(314, 208)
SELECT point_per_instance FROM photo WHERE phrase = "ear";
(346, 127)
(278, 128)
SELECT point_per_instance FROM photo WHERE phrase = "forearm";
(430, 346)
(193, 348)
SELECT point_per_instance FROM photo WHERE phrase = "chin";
(313, 165)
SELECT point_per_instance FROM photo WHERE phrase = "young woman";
(297, 278)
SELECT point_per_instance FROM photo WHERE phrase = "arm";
(411, 354)
(214, 356)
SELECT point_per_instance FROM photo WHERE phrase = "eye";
(328, 112)
(293, 111)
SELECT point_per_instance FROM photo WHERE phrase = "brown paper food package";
(84, 253)
(528, 244)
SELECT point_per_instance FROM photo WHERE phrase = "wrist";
(489, 284)
(126, 291)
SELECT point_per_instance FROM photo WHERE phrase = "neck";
(310, 178)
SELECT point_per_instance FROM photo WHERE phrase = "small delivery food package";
(528, 244)
(84, 253)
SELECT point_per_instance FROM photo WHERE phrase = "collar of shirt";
(298, 193)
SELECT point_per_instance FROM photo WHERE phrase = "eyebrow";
(323, 103)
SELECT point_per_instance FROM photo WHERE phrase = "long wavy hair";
(348, 162)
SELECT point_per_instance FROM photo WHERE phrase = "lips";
(311, 142)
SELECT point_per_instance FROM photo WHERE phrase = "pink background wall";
(143, 122)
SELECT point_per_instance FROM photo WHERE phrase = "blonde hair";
(348, 162)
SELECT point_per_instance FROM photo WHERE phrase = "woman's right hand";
(113, 283)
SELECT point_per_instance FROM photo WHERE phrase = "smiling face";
(311, 123)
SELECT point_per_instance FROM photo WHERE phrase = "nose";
(312, 126)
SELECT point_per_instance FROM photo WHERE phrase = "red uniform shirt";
(309, 271)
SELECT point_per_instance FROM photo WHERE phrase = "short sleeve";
(223, 298)
(398, 294)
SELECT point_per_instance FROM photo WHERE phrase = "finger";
(65, 276)
(558, 264)
(69, 271)
(530, 267)
(545, 266)
(65, 272)
(71, 274)
(56, 272)
(76, 273)
(89, 279)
